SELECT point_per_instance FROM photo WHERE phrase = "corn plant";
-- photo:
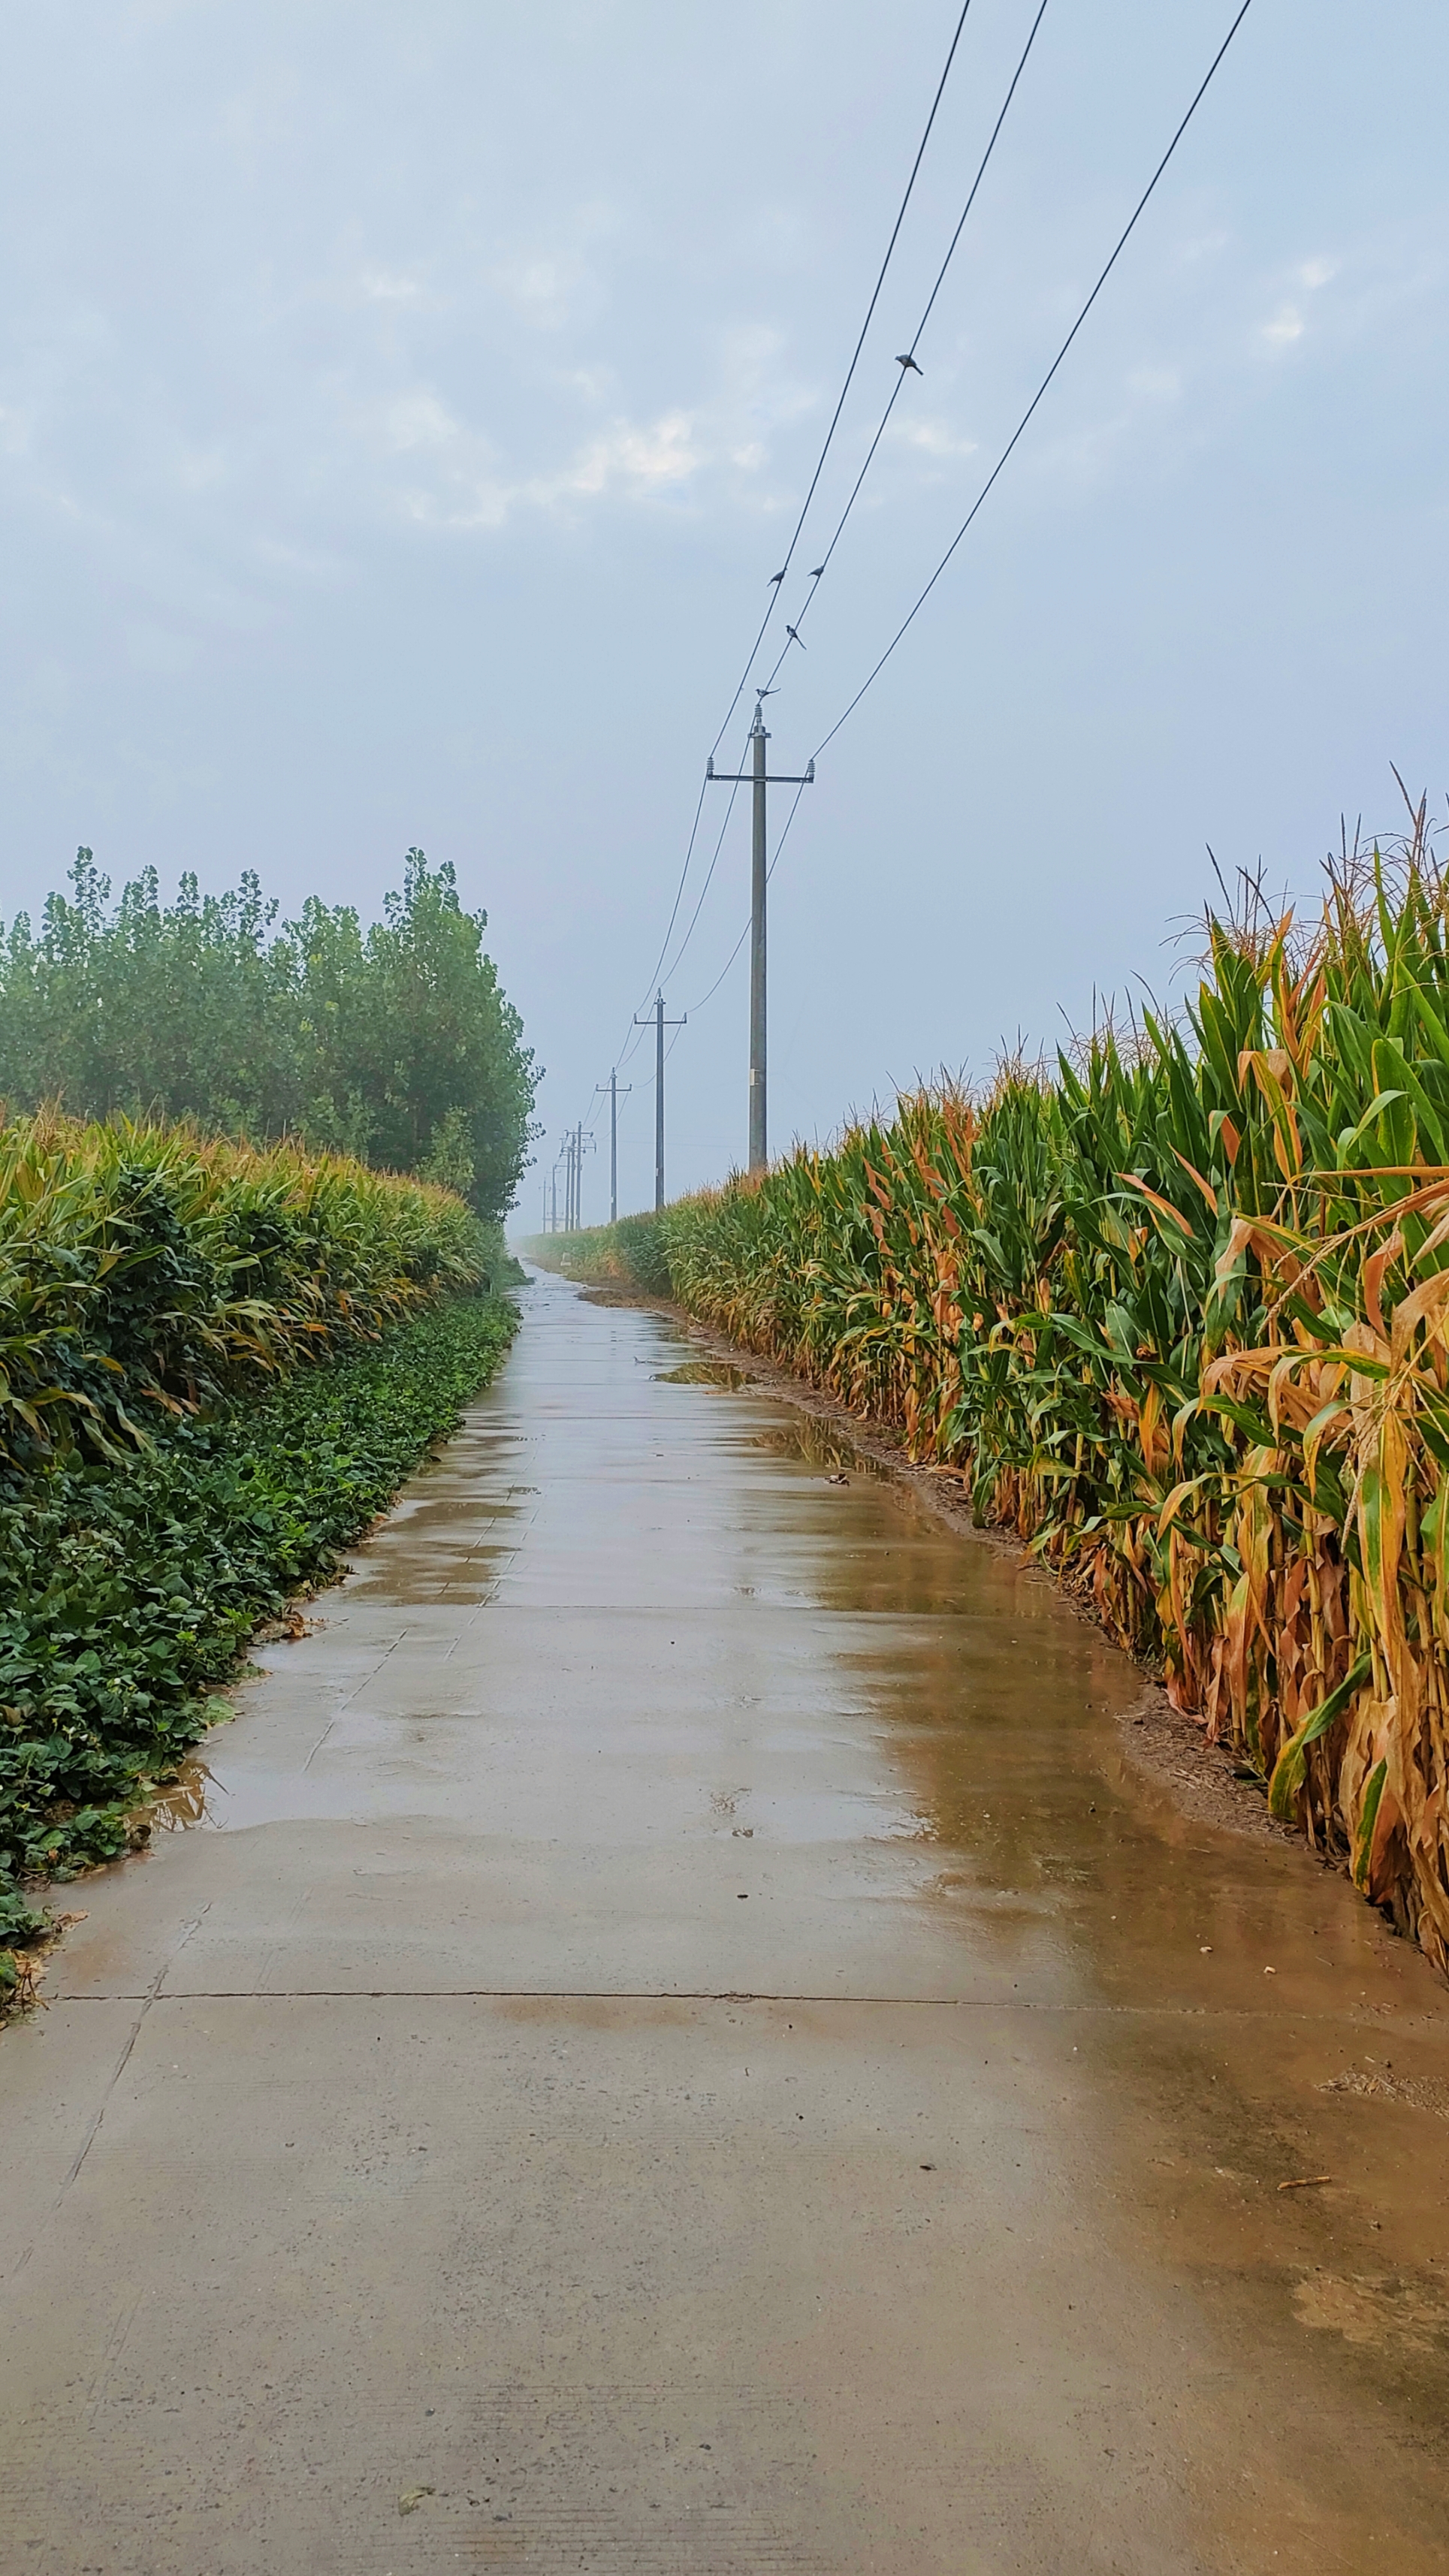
(1180, 1309)
(146, 1270)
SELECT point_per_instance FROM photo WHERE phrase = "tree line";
(394, 1043)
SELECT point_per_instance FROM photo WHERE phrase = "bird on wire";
(794, 634)
(776, 578)
(908, 361)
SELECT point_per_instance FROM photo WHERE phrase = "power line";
(635, 1038)
(778, 578)
(652, 977)
(999, 467)
(776, 585)
(724, 970)
(804, 610)
(709, 873)
(1037, 397)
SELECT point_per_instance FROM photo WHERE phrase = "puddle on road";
(183, 1802)
(828, 1451)
(702, 1373)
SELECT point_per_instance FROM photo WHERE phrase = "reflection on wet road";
(677, 2036)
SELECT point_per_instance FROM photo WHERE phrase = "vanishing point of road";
(679, 2044)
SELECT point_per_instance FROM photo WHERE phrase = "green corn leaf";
(1290, 1768)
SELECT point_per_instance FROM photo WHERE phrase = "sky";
(404, 408)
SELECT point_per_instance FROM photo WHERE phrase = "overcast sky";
(403, 408)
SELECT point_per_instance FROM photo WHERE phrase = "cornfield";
(1180, 1310)
(147, 1270)
(170, 1468)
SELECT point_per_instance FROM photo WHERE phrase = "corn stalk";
(1180, 1309)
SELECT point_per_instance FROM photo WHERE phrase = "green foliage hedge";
(129, 1593)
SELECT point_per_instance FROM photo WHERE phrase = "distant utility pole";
(553, 1190)
(756, 778)
(575, 1142)
(612, 1088)
(660, 1025)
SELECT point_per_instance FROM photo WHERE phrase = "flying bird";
(909, 361)
(794, 634)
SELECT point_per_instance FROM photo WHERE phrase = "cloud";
(1286, 326)
(619, 459)
(932, 438)
(547, 284)
(390, 286)
(419, 419)
(1290, 322)
(540, 287)
(642, 460)
(633, 461)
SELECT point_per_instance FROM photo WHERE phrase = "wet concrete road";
(679, 2046)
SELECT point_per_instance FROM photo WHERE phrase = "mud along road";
(678, 2045)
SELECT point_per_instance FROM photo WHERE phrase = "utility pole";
(612, 1087)
(755, 777)
(553, 1186)
(573, 1160)
(660, 1025)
